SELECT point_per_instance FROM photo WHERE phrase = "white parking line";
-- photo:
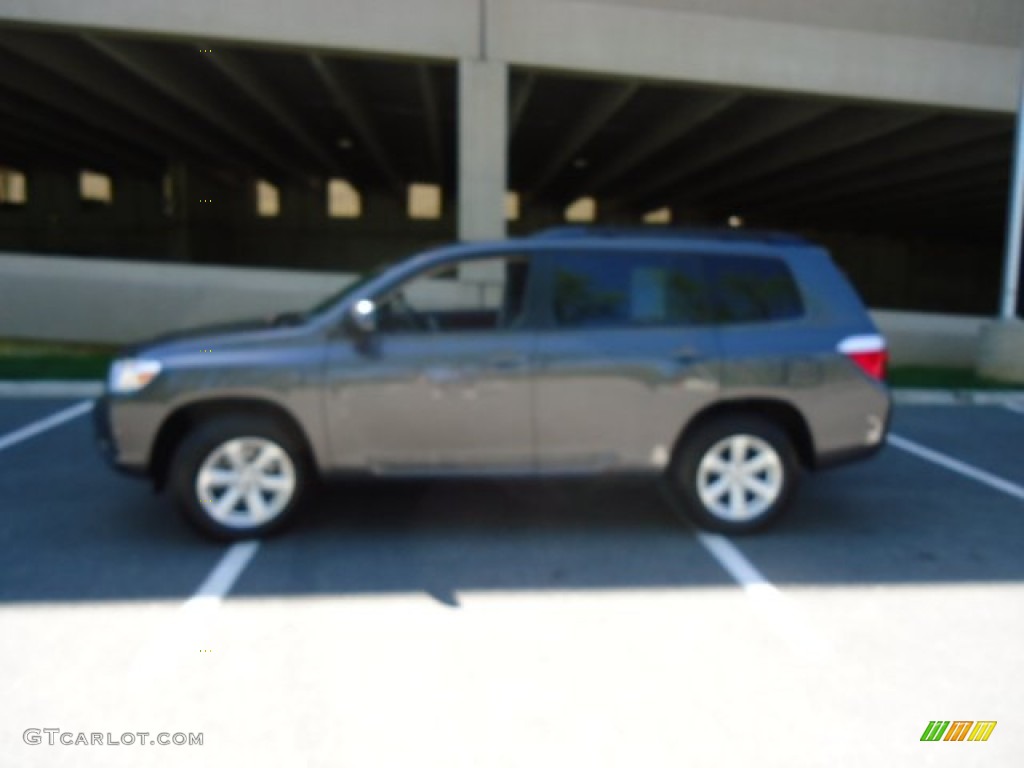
(955, 465)
(191, 627)
(22, 390)
(192, 623)
(781, 612)
(61, 417)
(223, 577)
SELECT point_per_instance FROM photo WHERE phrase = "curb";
(958, 397)
(54, 389)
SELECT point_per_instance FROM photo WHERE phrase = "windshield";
(348, 290)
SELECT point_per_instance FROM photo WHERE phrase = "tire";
(239, 477)
(765, 479)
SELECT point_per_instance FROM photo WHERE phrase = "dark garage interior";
(210, 154)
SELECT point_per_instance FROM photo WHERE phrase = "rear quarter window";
(752, 289)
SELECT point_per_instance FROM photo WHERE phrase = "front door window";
(480, 295)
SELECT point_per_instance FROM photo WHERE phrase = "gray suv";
(725, 363)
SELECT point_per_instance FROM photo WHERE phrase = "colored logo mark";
(958, 730)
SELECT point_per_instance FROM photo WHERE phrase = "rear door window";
(621, 290)
(752, 289)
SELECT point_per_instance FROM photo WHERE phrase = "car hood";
(220, 334)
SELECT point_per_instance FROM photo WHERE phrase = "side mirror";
(363, 317)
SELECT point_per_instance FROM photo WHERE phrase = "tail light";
(869, 352)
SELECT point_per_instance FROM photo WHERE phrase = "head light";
(131, 375)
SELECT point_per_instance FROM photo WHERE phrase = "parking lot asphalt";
(495, 623)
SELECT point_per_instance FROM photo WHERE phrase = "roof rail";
(669, 233)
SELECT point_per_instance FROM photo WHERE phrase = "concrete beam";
(947, 134)
(49, 145)
(76, 86)
(341, 94)
(695, 111)
(161, 75)
(615, 97)
(232, 67)
(432, 118)
(750, 124)
(771, 46)
(520, 100)
(444, 29)
(847, 128)
(63, 130)
(944, 53)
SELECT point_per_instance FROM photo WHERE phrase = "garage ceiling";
(131, 105)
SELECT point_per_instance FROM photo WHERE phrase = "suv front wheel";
(734, 475)
(236, 478)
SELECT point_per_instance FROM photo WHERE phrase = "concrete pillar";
(483, 149)
(176, 206)
(1001, 351)
(1001, 342)
(1014, 220)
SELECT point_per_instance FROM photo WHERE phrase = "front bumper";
(104, 436)
(101, 429)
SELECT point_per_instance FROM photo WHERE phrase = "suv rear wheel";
(735, 474)
(236, 478)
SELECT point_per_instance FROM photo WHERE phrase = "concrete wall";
(918, 338)
(995, 22)
(435, 28)
(774, 49)
(109, 301)
(942, 52)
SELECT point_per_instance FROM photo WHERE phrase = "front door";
(444, 385)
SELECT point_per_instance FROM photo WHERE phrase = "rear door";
(626, 354)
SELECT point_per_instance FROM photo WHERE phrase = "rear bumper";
(848, 455)
(851, 454)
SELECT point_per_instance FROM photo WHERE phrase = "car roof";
(689, 234)
(711, 241)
